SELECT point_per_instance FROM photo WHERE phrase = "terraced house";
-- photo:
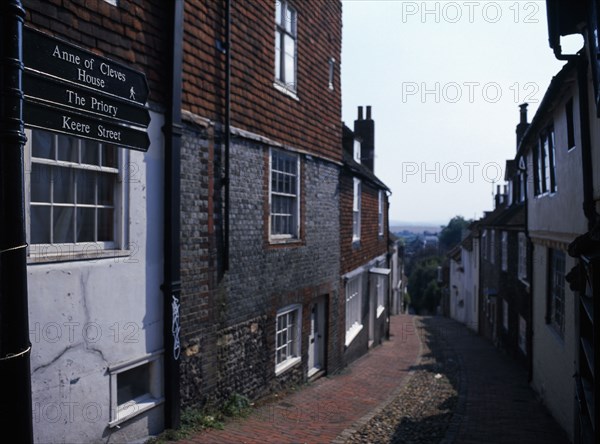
(261, 161)
(204, 243)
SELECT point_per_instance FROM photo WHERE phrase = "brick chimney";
(523, 125)
(364, 129)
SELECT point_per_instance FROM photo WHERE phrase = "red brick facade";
(371, 245)
(312, 122)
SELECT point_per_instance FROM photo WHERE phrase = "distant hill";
(415, 227)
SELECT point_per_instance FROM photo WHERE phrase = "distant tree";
(422, 284)
(451, 234)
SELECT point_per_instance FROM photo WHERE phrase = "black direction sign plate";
(42, 116)
(60, 94)
(66, 61)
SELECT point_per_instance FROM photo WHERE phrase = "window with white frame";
(555, 308)
(75, 193)
(522, 266)
(288, 338)
(380, 213)
(380, 289)
(331, 73)
(135, 387)
(356, 210)
(504, 252)
(353, 307)
(492, 246)
(356, 153)
(285, 45)
(284, 201)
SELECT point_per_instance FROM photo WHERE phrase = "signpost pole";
(15, 398)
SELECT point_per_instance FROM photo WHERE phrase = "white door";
(316, 347)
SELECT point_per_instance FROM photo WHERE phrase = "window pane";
(105, 189)
(89, 152)
(85, 224)
(109, 156)
(278, 55)
(41, 145)
(66, 149)
(290, 20)
(40, 224)
(278, 8)
(86, 187)
(290, 65)
(133, 383)
(105, 225)
(63, 225)
(62, 181)
(40, 183)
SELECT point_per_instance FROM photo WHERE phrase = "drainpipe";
(586, 145)
(226, 178)
(15, 348)
(171, 287)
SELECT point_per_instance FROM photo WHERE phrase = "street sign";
(46, 117)
(66, 61)
(61, 94)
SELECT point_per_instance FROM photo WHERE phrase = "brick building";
(364, 237)
(261, 160)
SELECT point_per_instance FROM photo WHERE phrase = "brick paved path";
(323, 410)
(496, 404)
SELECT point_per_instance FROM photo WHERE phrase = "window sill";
(282, 241)
(380, 310)
(39, 254)
(286, 365)
(285, 90)
(352, 333)
(135, 407)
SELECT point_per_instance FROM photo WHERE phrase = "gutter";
(171, 287)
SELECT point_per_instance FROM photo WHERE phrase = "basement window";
(136, 387)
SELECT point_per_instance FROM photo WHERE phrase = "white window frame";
(293, 345)
(381, 286)
(331, 73)
(556, 291)
(504, 252)
(294, 234)
(354, 301)
(380, 213)
(286, 27)
(522, 266)
(51, 252)
(356, 209)
(123, 412)
(356, 150)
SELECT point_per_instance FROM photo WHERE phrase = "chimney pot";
(368, 112)
(523, 108)
(360, 113)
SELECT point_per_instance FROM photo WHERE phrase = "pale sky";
(445, 80)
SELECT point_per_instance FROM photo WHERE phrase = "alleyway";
(494, 403)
